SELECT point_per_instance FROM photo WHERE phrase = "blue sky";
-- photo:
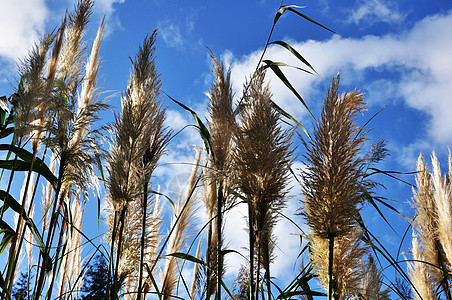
(399, 53)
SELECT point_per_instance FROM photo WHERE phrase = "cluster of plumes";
(262, 158)
(70, 136)
(48, 109)
(68, 133)
(334, 189)
(140, 138)
(432, 238)
(217, 180)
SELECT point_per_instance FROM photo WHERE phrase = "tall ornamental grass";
(156, 247)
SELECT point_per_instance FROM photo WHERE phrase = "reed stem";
(331, 289)
(143, 234)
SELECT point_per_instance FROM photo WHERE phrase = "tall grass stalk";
(334, 181)
(146, 92)
(195, 272)
(222, 127)
(140, 140)
(262, 158)
(70, 136)
(24, 108)
(432, 224)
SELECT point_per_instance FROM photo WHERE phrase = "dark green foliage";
(95, 281)
(21, 289)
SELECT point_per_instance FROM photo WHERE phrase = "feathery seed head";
(262, 158)
(372, 281)
(334, 176)
(74, 48)
(442, 197)
(29, 97)
(222, 123)
(423, 286)
(52, 67)
(140, 135)
(426, 221)
(92, 68)
(181, 224)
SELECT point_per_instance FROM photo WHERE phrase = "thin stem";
(258, 267)
(269, 286)
(57, 251)
(219, 225)
(331, 290)
(208, 260)
(118, 253)
(110, 259)
(6, 291)
(251, 238)
(260, 59)
(53, 221)
(143, 234)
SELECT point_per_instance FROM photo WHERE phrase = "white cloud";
(408, 155)
(415, 65)
(20, 26)
(106, 6)
(171, 35)
(177, 33)
(370, 11)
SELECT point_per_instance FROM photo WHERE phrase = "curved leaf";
(282, 10)
(9, 201)
(157, 291)
(8, 232)
(295, 53)
(287, 115)
(203, 131)
(291, 8)
(6, 132)
(281, 64)
(187, 257)
(275, 68)
(39, 167)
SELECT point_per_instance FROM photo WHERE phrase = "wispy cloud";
(171, 34)
(107, 8)
(23, 25)
(370, 11)
(415, 66)
(177, 33)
